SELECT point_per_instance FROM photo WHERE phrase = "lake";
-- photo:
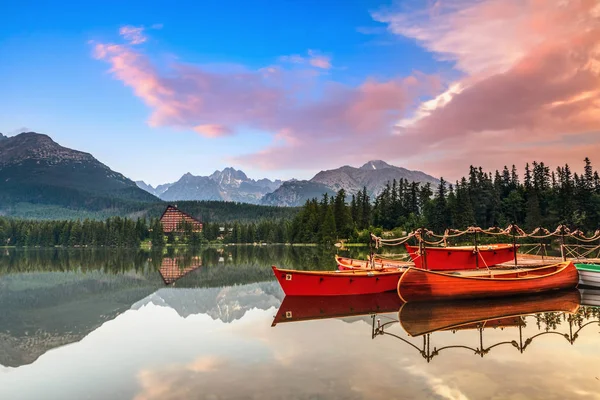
(214, 324)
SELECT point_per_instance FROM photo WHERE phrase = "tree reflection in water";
(221, 266)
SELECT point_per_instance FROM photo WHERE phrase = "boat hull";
(461, 258)
(419, 318)
(589, 275)
(336, 283)
(305, 308)
(420, 285)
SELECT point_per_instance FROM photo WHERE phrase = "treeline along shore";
(536, 197)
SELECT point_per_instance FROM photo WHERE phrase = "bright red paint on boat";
(461, 257)
(336, 283)
(305, 308)
(421, 285)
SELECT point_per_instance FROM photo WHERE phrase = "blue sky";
(54, 82)
(53, 85)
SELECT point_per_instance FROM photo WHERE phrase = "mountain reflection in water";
(97, 325)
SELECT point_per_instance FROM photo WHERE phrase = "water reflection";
(514, 318)
(53, 297)
(209, 335)
(255, 259)
(549, 323)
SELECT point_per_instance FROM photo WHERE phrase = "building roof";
(172, 217)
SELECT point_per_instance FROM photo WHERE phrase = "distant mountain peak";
(375, 165)
(229, 177)
(2, 137)
(38, 147)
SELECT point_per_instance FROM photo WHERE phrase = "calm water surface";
(213, 324)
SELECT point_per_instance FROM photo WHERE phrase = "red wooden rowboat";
(420, 285)
(461, 257)
(306, 308)
(336, 283)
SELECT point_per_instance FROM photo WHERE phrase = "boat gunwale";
(559, 268)
(587, 267)
(360, 272)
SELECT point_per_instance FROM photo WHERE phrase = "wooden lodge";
(173, 219)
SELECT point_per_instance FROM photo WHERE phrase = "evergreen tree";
(328, 230)
(342, 215)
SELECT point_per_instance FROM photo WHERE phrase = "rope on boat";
(511, 230)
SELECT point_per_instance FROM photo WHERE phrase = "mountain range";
(373, 176)
(38, 174)
(227, 185)
(233, 185)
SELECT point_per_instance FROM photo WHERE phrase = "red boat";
(336, 283)
(460, 257)
(306, 308)
(421, 285)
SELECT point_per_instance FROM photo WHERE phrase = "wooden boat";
(419, 318)
(421, 285)
(305, 308)
(349, 264)
(336, 283)
(460, 257)
(589, 274)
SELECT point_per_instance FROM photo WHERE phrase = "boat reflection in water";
(551, 313)
(304, 308)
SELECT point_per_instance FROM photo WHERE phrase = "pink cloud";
(530, 89)
(212, 130)
(133, 34)
(319, 60)
(270, 99)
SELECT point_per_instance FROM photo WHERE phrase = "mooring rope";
(512, 230)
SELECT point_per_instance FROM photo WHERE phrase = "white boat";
(589, 275)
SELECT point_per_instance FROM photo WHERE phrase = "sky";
(284, 89)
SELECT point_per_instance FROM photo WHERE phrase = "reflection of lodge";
(174, 220)
(549, 312)
(172, 269)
